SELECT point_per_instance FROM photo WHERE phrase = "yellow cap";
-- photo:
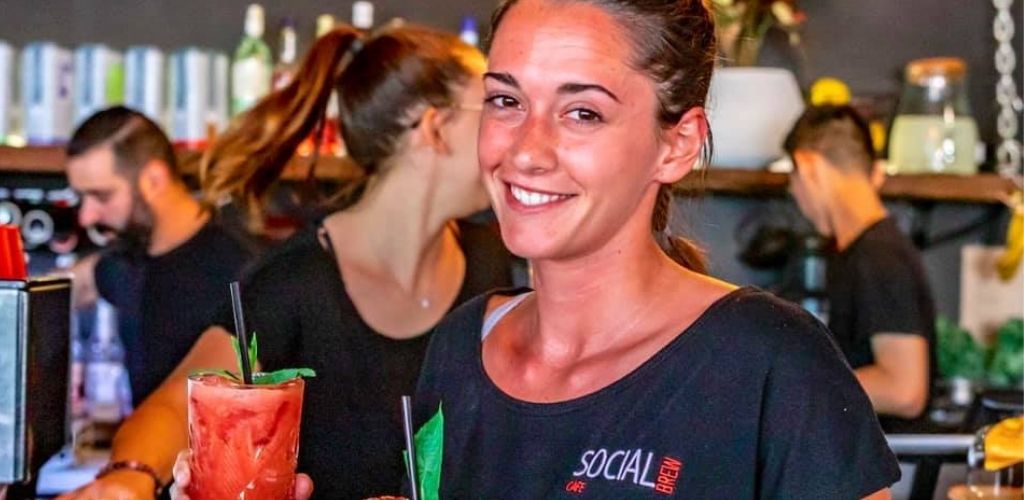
(829, 90)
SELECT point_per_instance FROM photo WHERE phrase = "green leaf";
(253, 351)
(220, 373)
(281, 376)
(429, 453)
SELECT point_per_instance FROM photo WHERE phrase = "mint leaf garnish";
(272, 378)
(281, 376)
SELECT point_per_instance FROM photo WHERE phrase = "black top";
(351, 440)
(165, 302)
(878, 285)
(751, 401)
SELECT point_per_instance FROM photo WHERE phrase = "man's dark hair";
(836, 132)
(132, 137)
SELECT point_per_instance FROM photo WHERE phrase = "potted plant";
(751, 108)
(743, 24)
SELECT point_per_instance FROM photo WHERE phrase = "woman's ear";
(430, 130)
(683, 143)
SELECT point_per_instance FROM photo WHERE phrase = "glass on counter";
(933, 131)
(996, 462)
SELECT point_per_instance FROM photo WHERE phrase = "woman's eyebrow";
(565, 88)
(575, 88)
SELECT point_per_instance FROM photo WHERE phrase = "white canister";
(47, 83)
(751, 110)
(144, 82)
(99, 79)
(188, 96)
(6, 89)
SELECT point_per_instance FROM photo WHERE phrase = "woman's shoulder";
(755, 321)
(292, 260)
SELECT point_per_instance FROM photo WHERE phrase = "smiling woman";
(626, 373)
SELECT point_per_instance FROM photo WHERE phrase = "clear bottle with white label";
(105, 374)
(287, 54)
(252, 65)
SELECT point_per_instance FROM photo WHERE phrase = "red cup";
(12, 254)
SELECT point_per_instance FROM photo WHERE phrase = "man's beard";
(138, 229)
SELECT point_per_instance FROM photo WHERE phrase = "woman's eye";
(584, 115)
(502, 102)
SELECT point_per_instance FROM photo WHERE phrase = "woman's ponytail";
(682, 250)
(246, 160)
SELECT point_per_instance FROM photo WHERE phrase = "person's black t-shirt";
(878, 285)
(753, 400)
(165, 302)
(351, 440)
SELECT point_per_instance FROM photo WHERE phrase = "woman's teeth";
(532, 199)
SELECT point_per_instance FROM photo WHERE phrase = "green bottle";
(252, 66)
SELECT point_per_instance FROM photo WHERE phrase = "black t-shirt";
(165, 302)
(753, 400)
(878, 285)
(351, 440)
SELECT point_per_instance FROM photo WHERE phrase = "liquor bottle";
(288, 48)
(251, 68)
(813, 295)
(330, 139)
(362, 15)
(469, 31)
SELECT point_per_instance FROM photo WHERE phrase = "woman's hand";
(183, 475)
(118, 485)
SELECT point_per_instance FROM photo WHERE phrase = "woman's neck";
(400, 225)
(590, 300)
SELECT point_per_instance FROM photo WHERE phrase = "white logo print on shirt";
(632, 466)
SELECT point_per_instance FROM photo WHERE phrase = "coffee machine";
(35, 331)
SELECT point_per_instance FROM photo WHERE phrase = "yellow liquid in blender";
(924, 144)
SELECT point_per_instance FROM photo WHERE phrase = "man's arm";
(158, 429)
(897, 383)
(83, 285)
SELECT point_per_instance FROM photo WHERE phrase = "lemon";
(828, 90)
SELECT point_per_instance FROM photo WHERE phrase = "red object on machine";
(12, 254)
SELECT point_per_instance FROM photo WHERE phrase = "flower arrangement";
(743, 24)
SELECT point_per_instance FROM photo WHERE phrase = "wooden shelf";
(981, 188)
(50, 160)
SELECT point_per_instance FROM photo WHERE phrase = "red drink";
(244, 438)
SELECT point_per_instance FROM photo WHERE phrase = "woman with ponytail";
(353, 297)
(627, 372)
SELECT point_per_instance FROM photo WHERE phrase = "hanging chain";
(1008, 154)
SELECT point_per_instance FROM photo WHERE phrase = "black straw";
(410, 446)
(243, 338)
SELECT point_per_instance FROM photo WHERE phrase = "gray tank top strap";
(495, 316)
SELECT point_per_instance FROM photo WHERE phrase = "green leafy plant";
(957, 353)
(1006, 367)
(272, 378)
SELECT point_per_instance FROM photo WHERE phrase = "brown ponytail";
(682, 250)
(379, 86)
(247, 159)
